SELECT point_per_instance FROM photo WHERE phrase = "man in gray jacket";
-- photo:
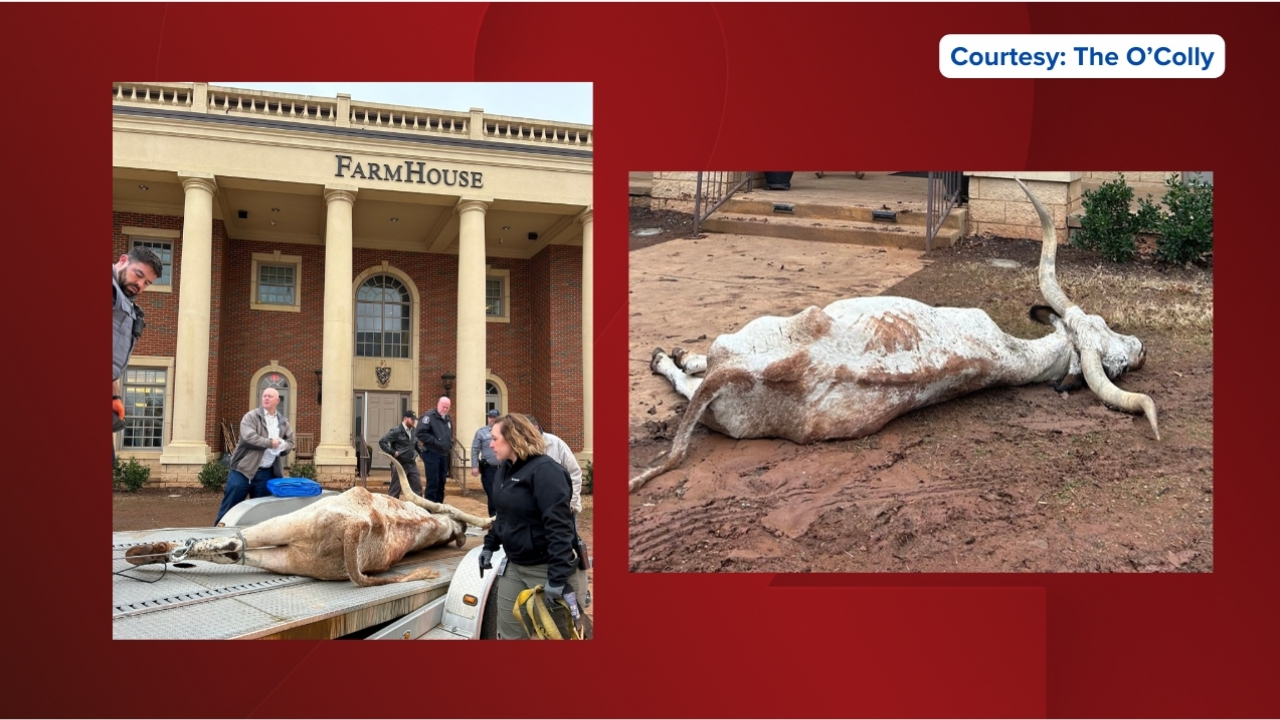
(399, 444)
(132, 273)
(265, 435)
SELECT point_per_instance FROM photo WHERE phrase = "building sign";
(408, 171)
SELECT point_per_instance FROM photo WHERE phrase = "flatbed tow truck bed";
(201, 600)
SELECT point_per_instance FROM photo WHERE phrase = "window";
(492, 397)
(383, 320)
(164, 251)
(497, 301)
(144, 394)
(493, 305)
(277, 282)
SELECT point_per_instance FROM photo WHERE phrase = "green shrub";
(213, 476)
(1186, 226)
(1108, 226)
(132, 475)
(303, 470)
(586, 479)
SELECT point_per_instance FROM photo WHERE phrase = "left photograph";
(352, 361)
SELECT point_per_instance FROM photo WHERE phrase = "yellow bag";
(541, 622)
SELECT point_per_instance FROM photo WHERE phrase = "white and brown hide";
(347, 536)
(846, 370)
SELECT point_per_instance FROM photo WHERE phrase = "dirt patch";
(154, 508)
(652, 227)
(1003, 480)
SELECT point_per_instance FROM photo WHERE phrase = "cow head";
(1101, 354)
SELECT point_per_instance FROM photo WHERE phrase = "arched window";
(281, 384)
(383, 322)
(492, 397)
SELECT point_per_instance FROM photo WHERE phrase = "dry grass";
(1130, 299)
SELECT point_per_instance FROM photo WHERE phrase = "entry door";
(384, 413)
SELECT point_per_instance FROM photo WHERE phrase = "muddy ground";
(152, 508)
(1004, 480)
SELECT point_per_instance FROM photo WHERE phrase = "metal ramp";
(208, 601)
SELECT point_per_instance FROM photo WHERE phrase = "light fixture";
(395, 219)
(318, 386)
(275, 209)
(143, 187)
(448, 379)
(506, 227)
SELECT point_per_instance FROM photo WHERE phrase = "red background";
(676, 87)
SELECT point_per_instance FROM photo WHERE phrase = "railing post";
(697, 205)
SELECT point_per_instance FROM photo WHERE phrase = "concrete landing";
(839, 207)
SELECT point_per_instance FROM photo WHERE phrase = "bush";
(213, 476)
(303, 470)
(132, 475)
(1108, 226)
(1186, 227)
(586, 479)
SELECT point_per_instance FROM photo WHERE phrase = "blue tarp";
(293, 487)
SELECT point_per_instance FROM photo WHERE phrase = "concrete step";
(641, 183)
(767, 208)
(879, 234)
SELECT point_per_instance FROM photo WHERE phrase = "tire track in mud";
(677, 530)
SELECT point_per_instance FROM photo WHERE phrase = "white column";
(588, 333)
(191, 361)
(468, 394)
(338, 346)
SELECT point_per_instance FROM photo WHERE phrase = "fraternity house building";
(361, 258)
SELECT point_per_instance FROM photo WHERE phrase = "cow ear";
(1069, 383)
(1042, 314)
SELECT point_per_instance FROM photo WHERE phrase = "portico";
(364, 248)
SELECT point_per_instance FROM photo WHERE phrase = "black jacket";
(435, 433)
(535, 524)
(397, 440)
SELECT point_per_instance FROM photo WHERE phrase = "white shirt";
(559, 451)
(273, 430)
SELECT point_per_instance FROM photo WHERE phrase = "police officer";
(483, 462)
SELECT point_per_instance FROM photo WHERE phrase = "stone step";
(904, 217)
(641, 184)
(878, 234)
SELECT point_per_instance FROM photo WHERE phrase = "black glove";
(486, 560)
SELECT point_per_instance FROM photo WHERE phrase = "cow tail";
(702, 398)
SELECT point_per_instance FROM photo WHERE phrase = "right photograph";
(910, 371)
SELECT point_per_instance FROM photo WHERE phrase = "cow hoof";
(653, 359)
(149, 553)
(677, 356)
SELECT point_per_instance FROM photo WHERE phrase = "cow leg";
(351, 540)
(689, 362)
(663, 365)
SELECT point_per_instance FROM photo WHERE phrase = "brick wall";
(541, 369)
(161, 335)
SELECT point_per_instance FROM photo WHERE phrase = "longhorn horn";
(1048, 255)
(433, 507)
(1101, 385)
(1090, 358)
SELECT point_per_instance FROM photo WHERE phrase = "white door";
(384, 413)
